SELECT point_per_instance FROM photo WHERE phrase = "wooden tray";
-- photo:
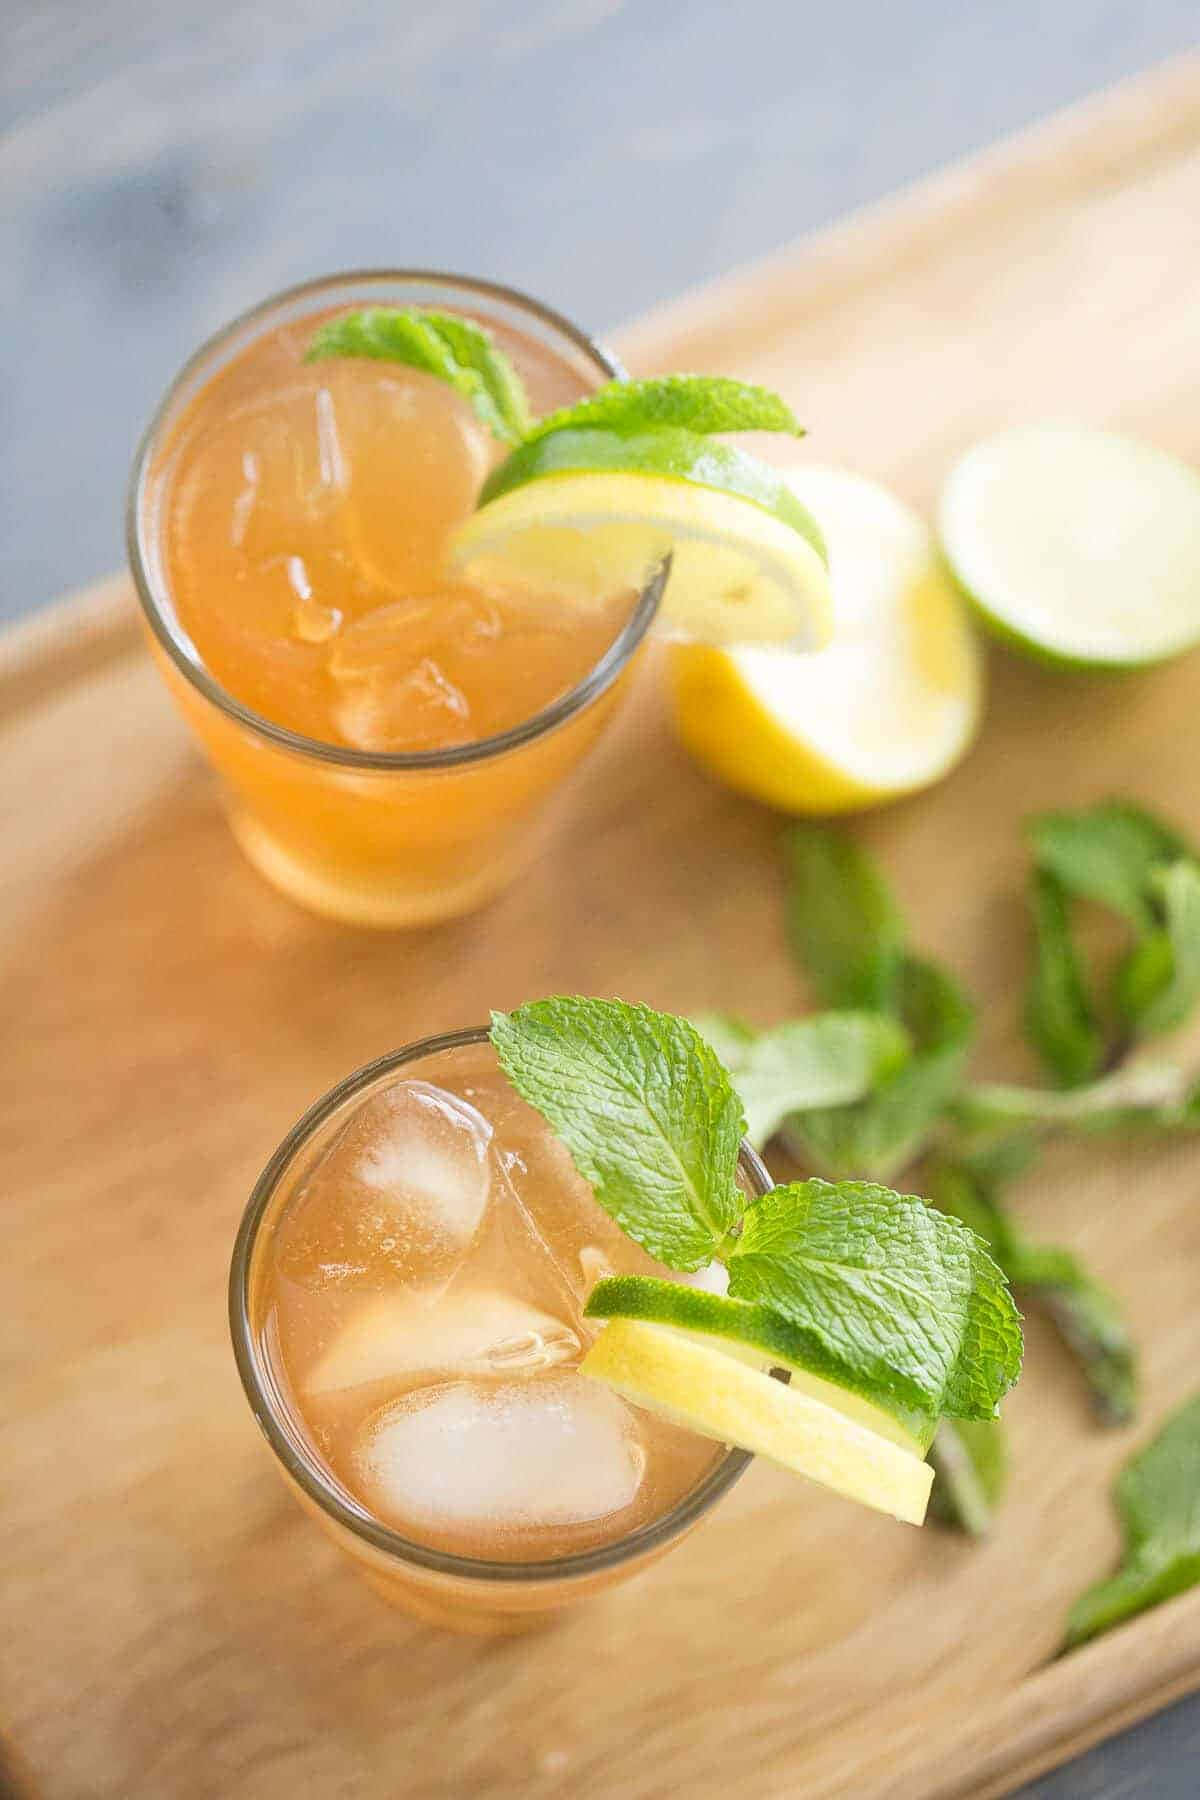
(172, 1625)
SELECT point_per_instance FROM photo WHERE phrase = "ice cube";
(595, 1265)
(423, 711)
(713, 1278)
(402, 1190)
(392, 690)
(405, 426)
(535, 1175)
(557, 1450)
(467, 1331)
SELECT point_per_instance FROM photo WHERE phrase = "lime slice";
(692, 1383)
(759, 1337)
(888, 707)
(1078, 546)
(579, 515)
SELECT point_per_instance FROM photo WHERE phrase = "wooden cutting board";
(170, 1623)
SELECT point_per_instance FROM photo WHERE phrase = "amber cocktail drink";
(407, 1307)
(386, 738)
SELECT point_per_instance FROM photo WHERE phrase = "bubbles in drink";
(467, 1330)
(400, 1192)
(555, 1451)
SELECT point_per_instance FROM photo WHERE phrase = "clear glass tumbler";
(462, 1593)
(374, 837)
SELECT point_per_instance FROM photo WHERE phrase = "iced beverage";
(386, 738)
(408, 1300)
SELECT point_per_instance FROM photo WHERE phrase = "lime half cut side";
(579, 515)
(888, 707)
(693, 1383)
(1079, 546)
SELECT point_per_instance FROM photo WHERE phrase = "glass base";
(382, 904)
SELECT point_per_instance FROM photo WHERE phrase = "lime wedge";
(692, 1383)
(1077, 546)
(889, 706)
(579, 515)
(757, 1336)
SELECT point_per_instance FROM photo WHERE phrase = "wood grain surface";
(170, 1623)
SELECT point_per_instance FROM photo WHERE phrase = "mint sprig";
(1140, 1096)
(1124, 860)
(903, 1294)
(827, 1060)
(706, 404)
(1085, 1314)
(904, 1301)
(1157, 1496)
(1159, 982)
(1106, 854)
(880, 1136)
(845, 927)
(646, 1110)
(849, 936)
(1060, 1019)
(454, 348)
(464, 354)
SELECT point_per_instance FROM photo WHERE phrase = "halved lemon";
(579, 515)
(692, 1383)
(1078, 546)
(891, 703)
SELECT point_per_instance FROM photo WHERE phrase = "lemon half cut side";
(888, 707)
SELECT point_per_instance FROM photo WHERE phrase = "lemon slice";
(690, 1382)
(578, 515)
(1078, 546)
(888, 707)
(757, 1336)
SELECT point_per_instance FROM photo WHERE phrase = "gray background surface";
(163, 166)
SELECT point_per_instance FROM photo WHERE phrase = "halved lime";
(579, 515)
(695, 1384)
(1078, 546)
(757, 1336)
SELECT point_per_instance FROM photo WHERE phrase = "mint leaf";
(1106, 854)
(447, 345)
(1157, 1497)
(879, 1136)
(845, 927)
(1059, 1017)
(645, 1109)
(728, 1036)
(848, 934)
(970, 1460)
(1160, 982)
(706, 404)
(896, 1291)
(826, 1060)
(1085, 1314)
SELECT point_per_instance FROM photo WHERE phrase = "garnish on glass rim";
(596, 495)
(879, 1304)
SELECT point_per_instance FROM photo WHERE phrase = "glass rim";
(305, 1471)
(153, 596)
